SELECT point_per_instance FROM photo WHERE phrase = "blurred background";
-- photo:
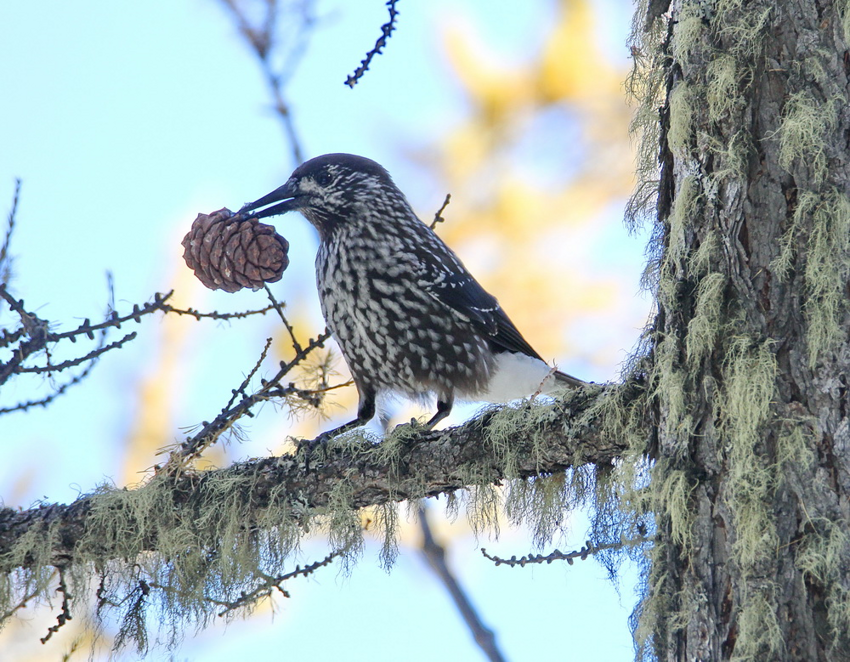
(125, 120)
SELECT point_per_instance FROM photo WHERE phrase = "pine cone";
(229, 252)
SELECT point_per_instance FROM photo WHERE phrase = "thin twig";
(438, 217)
(588, 550)
(269, 584)
(59, 390)
(34, 337)
(64, 615)
(215, 315)
(5, 260)
(386, 30)
(52, 368)
(436, 557)
(250, 376)
(22, 603)
(295, 344)
(263, 39)
(87, 328)
(227, 418)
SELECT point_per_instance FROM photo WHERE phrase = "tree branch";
(386, 32)
(5, 257)
(411, 463)
(435, 554)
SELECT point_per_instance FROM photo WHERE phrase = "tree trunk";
(750, 345)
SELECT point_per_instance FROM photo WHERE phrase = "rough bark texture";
(751, 351)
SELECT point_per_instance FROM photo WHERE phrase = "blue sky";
(124, 120)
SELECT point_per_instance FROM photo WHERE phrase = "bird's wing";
(453, 286)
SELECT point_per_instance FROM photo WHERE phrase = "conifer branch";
(411, 463)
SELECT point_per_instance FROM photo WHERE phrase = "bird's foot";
(306, 448)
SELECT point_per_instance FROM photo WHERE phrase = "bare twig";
(268, 584)
(57, 391)
(262, 37)
(227, 418)
(386, 30)
(279, 309)
(21, 604)
(244, 385)
(34, 337)
(38, 338)
(215, 315)
(87, 328)
(52, 368)
(435, 554)
(65, 614)
(5, 259)
(438, 217)
(588, 550)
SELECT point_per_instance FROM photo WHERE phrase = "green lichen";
(673, 497)
(782, 264)
(670, 385)
(750, 378)
(703, 258)
(744, 26)
(731, 156)
(484, 509)
(38, 579)
(342, 523)
(793, 447)
(722, 91)
(541, 504)
(682, 107)
(682, 215)
(387, 523)
(843, 8)
(707, 322)
(759, 633)
(823, 556)
(689, 33)
(803, 131)
(827, 272)
(826, 264)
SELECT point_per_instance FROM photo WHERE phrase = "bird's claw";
(307, 447)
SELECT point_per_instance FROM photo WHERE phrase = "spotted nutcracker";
(406, 313)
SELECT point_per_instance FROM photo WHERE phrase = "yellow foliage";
(158, 392)
(571, 67)
(528, 240)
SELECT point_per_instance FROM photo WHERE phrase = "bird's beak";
(287, 195)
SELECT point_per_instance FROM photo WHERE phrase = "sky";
(123, 121)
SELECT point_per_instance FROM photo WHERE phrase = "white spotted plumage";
(406, 313)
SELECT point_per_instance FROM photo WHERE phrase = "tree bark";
(751, 350)
(550, 439)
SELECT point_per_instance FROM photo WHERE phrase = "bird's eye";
(323, 178)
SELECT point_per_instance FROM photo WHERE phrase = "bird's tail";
(564, 378)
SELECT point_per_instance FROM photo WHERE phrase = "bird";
(406, 313)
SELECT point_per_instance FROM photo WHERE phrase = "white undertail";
(516, 376)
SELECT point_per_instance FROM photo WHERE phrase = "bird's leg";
(444, 408)
(365, 413)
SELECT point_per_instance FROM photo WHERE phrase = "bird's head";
(332, 190)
